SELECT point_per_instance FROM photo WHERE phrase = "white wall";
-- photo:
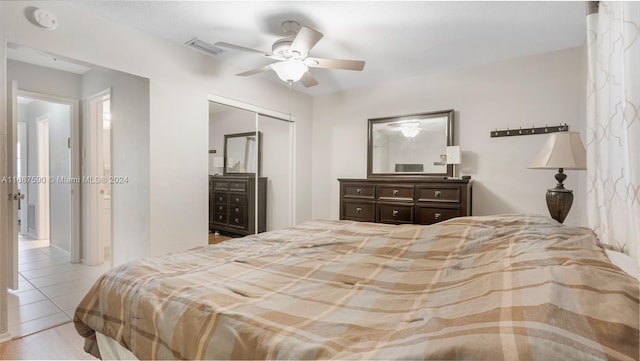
(523, 92)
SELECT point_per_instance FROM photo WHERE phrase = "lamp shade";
(562, 150)
(453, 154)
(290, 70)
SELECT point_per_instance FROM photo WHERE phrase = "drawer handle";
(220, 199)
(358, 210)
(237, 200)
(220, 217)
(237, 210)
(395, 213)
(437, 194)
(437, 215)
(237, 220)
(395, 192)
(219, 208)
(358, 190)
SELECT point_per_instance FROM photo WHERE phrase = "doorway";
(43, 162)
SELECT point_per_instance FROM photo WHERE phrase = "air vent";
(202, 46)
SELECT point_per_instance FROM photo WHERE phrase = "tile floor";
(50, 287)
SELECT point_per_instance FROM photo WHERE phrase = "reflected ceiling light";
(290, 70)
(410, 130)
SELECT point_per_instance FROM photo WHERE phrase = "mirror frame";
(242, 135)
(443, 113)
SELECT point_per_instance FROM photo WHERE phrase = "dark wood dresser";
(232, 204)
(420, 201)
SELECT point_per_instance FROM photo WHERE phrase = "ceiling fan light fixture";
(281, 47)
(290, 70)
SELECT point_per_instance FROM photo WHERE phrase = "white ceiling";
(398, 39)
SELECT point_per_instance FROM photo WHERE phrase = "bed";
(484, 288)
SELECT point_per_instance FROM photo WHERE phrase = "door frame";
(43, 212)
(74, 105)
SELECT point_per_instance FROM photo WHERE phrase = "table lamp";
(563, 150)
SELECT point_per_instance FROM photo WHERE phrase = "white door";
(12, 191)
(99, 165)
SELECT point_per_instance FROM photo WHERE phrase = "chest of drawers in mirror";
(423, 201)
(232, 204)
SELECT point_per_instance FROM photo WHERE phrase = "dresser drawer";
(220, 208)
(359, 211)
(237, 186)
(237, 221)
(403, 192)
(220, 198)
(237, 210)
(220, 218)
(359, 190)
(237, 199)
(438, 194)
(430, 215)
(395, 213)
(220, 185)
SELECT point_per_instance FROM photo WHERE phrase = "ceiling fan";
(292, 55)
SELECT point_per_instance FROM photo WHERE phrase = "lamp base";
(559, 202)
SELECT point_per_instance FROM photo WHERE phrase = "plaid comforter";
(516, 287)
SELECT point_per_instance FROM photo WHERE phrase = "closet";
(251, 169)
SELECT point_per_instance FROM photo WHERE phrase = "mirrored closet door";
(251, 167)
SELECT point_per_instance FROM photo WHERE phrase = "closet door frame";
(280, 116)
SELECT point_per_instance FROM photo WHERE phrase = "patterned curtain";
(613, 124)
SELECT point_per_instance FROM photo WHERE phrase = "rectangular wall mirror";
(410, 145)
(242, 153)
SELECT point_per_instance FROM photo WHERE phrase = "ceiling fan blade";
(335, 63)
(304, 41)
(308, 80)
(255, 71)
(242, 48)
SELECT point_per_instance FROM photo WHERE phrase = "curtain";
(613, 124)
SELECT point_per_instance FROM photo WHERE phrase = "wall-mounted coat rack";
(529, 131)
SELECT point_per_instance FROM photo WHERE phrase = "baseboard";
(31, 233)
(60, 249)
(4, 337)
